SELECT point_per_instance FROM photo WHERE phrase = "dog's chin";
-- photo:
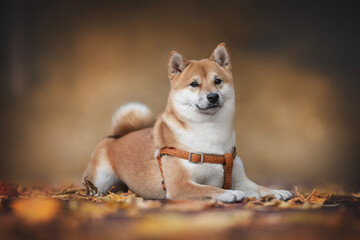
(211, 109)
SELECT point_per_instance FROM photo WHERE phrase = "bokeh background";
(67, 65)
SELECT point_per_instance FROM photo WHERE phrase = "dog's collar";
(227, 160)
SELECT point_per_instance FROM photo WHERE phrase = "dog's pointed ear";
(176, 64)
(221, 56)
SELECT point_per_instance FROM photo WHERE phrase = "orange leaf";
(8, 189)
(356, 195)
(36, 210)
(188, 205)
(316, 197)
(299, 195)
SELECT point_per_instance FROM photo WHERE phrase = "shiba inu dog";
(197, 121)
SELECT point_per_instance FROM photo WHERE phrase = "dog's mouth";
(210, 109)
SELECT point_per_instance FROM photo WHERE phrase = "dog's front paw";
(252, 194)
(231, 196)
(278, 194)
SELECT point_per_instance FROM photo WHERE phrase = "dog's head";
(202, 88)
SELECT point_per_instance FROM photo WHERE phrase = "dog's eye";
(194, 84)
(218, 81)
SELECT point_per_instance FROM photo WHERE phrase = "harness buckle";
(202, 158)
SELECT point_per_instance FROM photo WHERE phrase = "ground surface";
(43, 212)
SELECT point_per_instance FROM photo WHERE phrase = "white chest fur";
(207, 173)
(209, 138)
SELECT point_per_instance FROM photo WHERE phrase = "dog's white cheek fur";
(183, 103)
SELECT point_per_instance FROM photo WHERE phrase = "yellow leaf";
(91, 210)
(312, 201)
(170, 225)
(356, 195)
(188, 205)
(8, 189)
(36, 210)
(70, 191)
(316, 197)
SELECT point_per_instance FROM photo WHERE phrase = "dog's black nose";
(213, 97)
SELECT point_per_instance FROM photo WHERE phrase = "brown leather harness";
(227, 160)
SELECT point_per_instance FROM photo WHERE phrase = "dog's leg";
(179, 185)
(101, 173)
(191, 190)
(241, 182)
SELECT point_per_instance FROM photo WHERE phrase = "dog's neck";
(199, 132)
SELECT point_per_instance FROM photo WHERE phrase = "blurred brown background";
(67, 65)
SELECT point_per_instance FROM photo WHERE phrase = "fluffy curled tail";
(131, 117)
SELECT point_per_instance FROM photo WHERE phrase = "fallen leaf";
(91, 210)
(313, 201)
(296, 201)
(171, 224)
(356, 195)
(149, 204)
(36, 210)
(70, 191)
(298, 194)
(332, 205)
(254, 204)
(8, 189)
(76, 213)
(72, 194)
(120, 197)
(188, 205)
(91, 189)
(316, 197)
